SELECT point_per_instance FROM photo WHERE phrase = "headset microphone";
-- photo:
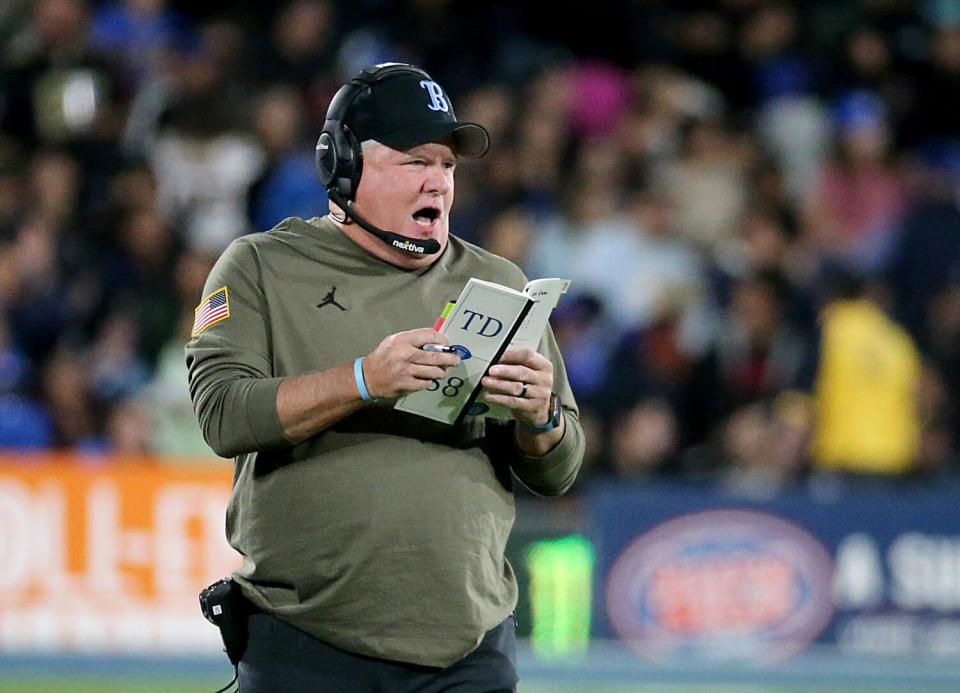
(425, 246)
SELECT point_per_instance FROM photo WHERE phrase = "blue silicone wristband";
(358, 377)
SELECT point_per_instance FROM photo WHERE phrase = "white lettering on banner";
(878, 635)
(15, 522)
(943, 638)
(92, 563)
(858, 580)
(103, 539)
(81, 627)
(50, 523)
(899, 635)
(925, 572)
(176, 507)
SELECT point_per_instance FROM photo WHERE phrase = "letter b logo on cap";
(437, 100)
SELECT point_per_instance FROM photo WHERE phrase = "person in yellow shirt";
(867, 418)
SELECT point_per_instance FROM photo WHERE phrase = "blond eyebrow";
(408, 156)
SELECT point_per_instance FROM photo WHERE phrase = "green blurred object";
(561, 579)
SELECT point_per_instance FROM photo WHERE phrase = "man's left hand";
(522, 381)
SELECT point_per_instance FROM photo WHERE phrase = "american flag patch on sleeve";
(213, 308)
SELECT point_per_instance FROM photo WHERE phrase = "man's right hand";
(398, 365)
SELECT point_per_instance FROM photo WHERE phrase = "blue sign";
(694, 571)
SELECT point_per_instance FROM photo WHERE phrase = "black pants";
(283, 659)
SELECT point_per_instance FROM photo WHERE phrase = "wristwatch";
(556, 411)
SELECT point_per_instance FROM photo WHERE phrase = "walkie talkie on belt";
(224, 605)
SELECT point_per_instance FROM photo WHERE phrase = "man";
(373, 540)
(866, 396)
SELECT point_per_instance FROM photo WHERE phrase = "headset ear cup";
(326, 159)
(346, 171)
(356, 163)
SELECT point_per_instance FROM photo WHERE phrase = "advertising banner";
(869, 568)
(110, 555)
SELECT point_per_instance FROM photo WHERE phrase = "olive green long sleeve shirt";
(384, 534)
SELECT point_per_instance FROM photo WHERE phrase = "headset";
(340, 158)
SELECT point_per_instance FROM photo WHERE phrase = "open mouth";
(426, 216)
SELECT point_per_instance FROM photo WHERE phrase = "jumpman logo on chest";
(329, 300)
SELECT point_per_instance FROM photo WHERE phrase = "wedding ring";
(523, 392)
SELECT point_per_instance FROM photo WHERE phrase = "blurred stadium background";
(757, 201)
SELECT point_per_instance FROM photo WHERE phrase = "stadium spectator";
(287, 185)
(173, 432)
(763, 446)
(861, 195)
(758, 354)
(204, 162)
(925, 256)
(867, 386)
(645, 440)
(138, 36)
(706, 184)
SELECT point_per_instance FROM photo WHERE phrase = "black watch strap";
(553, 420)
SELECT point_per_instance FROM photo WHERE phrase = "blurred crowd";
(756, 200)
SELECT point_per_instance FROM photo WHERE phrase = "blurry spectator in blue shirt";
(288, 185)
(137, 35)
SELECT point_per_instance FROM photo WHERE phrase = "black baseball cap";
(407, 108)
